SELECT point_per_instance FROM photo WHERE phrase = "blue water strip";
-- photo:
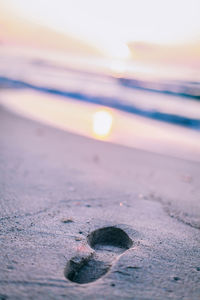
(106, 101)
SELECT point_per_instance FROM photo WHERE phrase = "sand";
(85, 219)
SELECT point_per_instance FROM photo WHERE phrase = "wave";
(114, 102)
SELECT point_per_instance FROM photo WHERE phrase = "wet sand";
(58, 189)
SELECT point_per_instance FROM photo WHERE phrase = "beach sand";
(57, 188)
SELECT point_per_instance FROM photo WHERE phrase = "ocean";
(155, 108)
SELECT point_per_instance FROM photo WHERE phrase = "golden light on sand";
(102, 123)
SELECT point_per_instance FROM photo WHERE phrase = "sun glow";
(116, 50)
(108, 25)
(102, 123)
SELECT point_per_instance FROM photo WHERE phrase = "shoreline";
(132, 131)
(50, 176)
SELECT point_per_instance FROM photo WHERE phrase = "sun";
(116, 50)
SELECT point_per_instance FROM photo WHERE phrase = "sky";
(111, 24)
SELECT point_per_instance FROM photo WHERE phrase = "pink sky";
(91, 27)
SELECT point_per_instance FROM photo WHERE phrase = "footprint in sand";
(108, 243)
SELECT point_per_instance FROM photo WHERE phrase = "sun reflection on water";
(102, 123)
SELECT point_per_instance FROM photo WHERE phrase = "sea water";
(147, 102)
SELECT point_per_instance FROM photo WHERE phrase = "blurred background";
(122, 71)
